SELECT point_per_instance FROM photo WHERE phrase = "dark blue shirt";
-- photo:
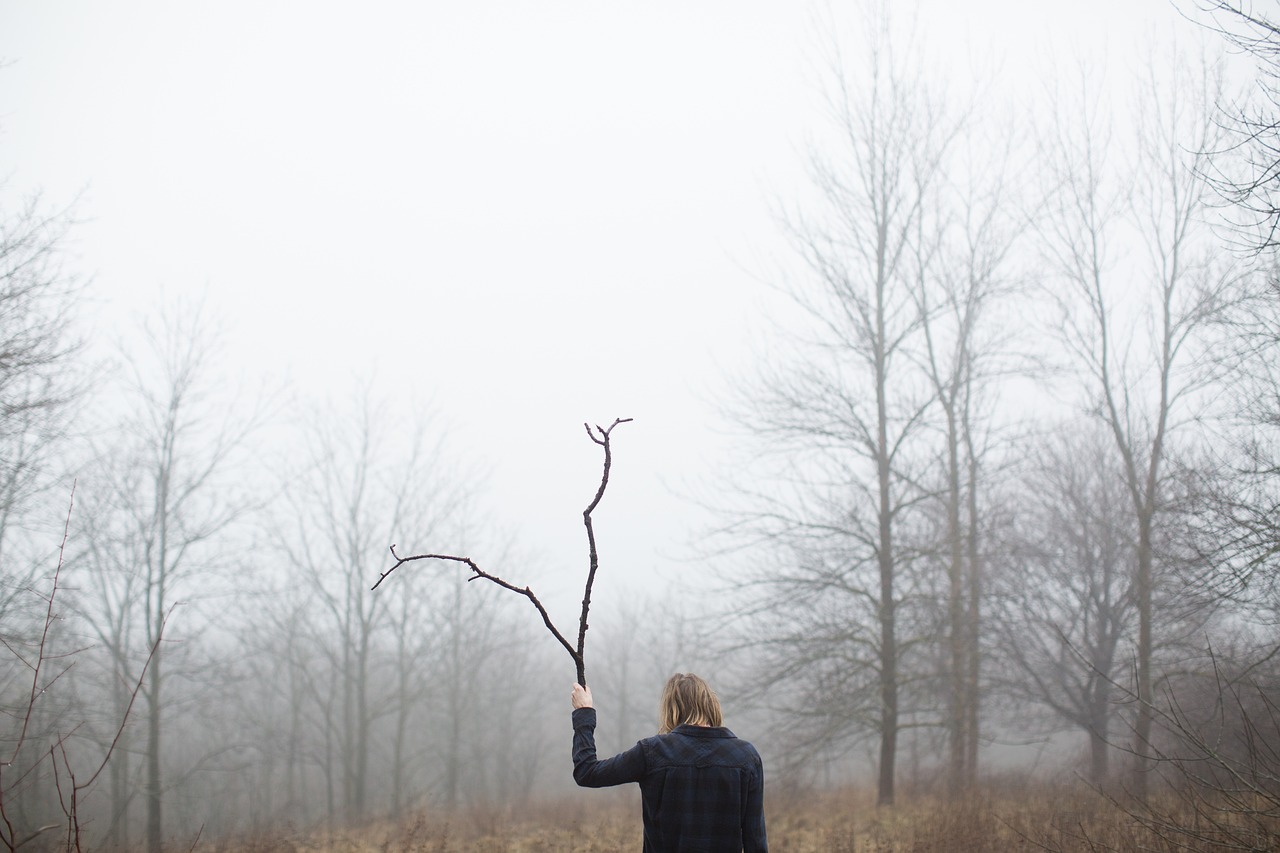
(702, 788)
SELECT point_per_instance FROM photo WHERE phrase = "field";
(1021, 818)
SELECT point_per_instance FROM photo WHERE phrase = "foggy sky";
(524, 215)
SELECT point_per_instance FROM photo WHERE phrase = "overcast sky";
(529, 214)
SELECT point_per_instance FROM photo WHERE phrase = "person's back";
(702, 788)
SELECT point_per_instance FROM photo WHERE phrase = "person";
(702, 788)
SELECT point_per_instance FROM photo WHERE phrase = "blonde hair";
(687, 699)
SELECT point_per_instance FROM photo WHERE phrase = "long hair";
(688, 699)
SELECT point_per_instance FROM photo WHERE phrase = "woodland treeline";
(1010, 469)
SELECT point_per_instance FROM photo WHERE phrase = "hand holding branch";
(581, 697)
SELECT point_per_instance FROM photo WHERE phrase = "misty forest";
(988, 557)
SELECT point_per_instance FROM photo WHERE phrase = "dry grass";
(575, 825)
(1019, 818)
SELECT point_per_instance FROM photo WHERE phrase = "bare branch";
(601, 436)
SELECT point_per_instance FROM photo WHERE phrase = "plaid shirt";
(702, 788)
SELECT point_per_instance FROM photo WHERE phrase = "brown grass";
(1016, 819)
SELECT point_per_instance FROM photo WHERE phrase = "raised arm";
(589, 771)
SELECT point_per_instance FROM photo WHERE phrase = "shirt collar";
(702, 731)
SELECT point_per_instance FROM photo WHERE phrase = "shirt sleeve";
(754, 839)
(591, 772)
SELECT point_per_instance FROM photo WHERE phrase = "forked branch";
(601, 436)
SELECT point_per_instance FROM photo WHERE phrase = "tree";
(357, 487)
(37, 764)
(1216, 753)
(1137, 331)
(164, 494)
(1064, 607)
(1246, 168)
(485, 674)
(38, 382)
(841, 419)
(36, 338)
(962, 286)
(1240, 536)
(1239, 483)
(38, 387)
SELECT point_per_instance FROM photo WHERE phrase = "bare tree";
(363, 481)
(161, 498)
(1245, 167)
(1137, 330)
(38, 760)
(36, 338)
(469, 627)
(38, 383)
(1236, 529)
(1215, 754)
(840, 419)
(963, 285)
(1064, 606)
(486, 672)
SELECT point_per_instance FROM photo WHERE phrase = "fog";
(950, 378)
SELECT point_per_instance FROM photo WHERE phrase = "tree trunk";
(957, 712)
(398, 743)
(155, 827)
(119, 773)
(973, 634)
(1142, 723)
(888, 618)
(348, 743)
(1099, 748)
(453, 754)
(295, 735)
(973, 637)
(330, 789)
(360, 782)
(1098, 752)
(154, 819)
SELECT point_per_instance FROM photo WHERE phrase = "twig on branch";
(601, 436)
(478, 572)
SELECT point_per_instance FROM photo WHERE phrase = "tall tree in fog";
(1136, 323)
(37, 385)
(278, 656)
(155, 506)
(1246, 170)
(1240, 534)
(478, 704)
(363, 484)
(840, 418)
(1064, 605)
(962, 279)
(37, 382)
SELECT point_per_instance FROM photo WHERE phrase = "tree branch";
(601, 436)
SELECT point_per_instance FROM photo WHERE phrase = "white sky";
(531, 214)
